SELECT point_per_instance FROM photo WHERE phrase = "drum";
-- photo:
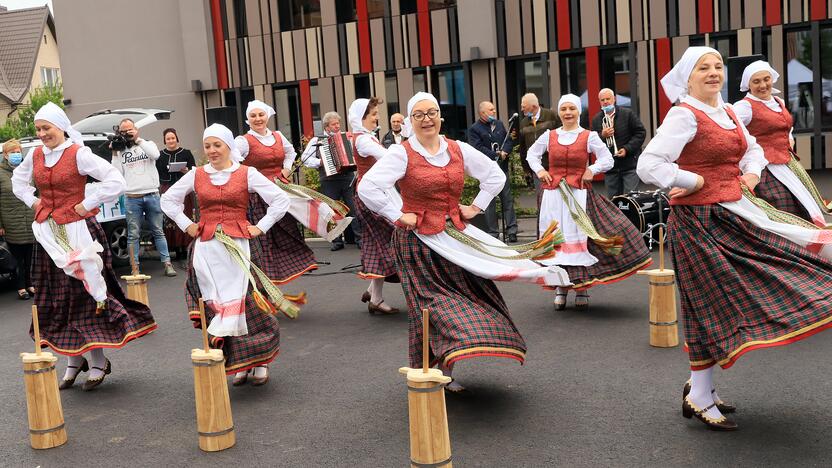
(642, 209)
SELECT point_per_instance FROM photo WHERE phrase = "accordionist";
(338, 186)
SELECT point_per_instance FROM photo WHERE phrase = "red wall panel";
(219, 44)
(305, 107)
(663, 65)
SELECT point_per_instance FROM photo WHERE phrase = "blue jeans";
(146, 208)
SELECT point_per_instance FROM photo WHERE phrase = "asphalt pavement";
(592, 391)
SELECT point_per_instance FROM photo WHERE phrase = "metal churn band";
(432, 465)
(218, 433)
(205, 363)
(663, 284)
(435, 388)
(46, 431)
(664, 324)
(39, 371)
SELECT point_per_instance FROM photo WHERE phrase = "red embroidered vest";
(60, 187)
(362, 164)
(714, 153)
(266, 159)
(224, 205)
(567, 161)
(771, 129)
(433, 192)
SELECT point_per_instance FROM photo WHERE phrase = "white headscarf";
(755, 67)
(407, 128)
(355, 115)
(257, 104)
(675, 83)
(53, 114)
(572, 99)
(223, 133)
(420, 96)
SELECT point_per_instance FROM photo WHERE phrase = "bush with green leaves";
(22, 124)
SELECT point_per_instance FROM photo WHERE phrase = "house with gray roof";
(28, 56)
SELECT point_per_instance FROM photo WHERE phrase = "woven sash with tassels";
(62, 238)
(611, 244)
(276, 301)
(807, 182)
(545, 247)
(301, 191)
(776, 215)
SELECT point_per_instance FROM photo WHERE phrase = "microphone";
(513, 118)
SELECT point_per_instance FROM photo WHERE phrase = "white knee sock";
(261, 371)
(376, 286)
(701, 384)
(97, 359)
(73, 361)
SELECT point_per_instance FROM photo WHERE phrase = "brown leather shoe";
(376, 308)
(257, 381)
(240, 380)
(67, 383)
(724, 408)
(721, 424)
(92, 383)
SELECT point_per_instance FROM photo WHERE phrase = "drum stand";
(661, 225)
(430, 444)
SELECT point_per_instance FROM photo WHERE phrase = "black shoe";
(92, 383)
(336, 247)
(24, 295)
(721, 424)
(67, 383)
(512, 238)
(724, 408)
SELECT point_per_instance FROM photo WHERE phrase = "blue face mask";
(608, 109)
(492, 119)
(15, 159)
(528, 114)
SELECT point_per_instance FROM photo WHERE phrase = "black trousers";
(343, 189)
(23, 254)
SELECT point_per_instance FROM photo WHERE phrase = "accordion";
(336, 154)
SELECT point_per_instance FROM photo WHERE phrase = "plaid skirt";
(259, 347)
(779, 196)
(376, 256)
(743, 288)
(283, 253)
(608, 220)
(177, 238)
(468, 316)
(66, 312)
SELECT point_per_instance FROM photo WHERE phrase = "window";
(727, 47)
(826, 76)
(419, 81)
(314, 92)
(345, 11)
(799, 78)
(376, 8)
(240, 23)
(449, 89)
(287, 108)
(299, 14)
(615, 74)
(573, 77)
(410, 6)
(49, 76)
(391, 89)
(362, 86)
(530, 76)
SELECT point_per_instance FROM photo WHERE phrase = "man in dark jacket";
(536, 120)
(488, 135)
(628, 134)
(394, 136)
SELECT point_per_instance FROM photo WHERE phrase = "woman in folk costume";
(223, 269)
(377, 260)
(615, 249)
(81, 306)
(783, 183)
(284, 252)
(745, 278)
(446, 265)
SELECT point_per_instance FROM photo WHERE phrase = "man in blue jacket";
(488, 135)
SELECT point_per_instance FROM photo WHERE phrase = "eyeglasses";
(420, 116)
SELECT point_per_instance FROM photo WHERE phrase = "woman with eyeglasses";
(783, 182)
(446, 265)
(601, 245)
(746, 279)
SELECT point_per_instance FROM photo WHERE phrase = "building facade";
(28, 56)
(310, 57)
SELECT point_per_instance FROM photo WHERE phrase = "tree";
(23, 125)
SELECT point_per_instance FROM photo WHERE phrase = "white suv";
(95, 129)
